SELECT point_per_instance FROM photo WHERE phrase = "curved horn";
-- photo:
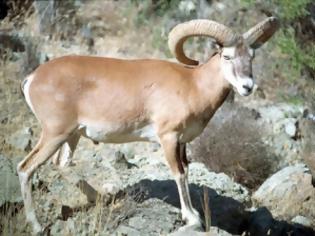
(178, 35)
(261, 32)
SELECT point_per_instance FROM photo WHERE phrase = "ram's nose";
(248, 88)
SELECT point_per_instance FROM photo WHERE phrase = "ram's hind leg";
(63, 157)
(45, 148)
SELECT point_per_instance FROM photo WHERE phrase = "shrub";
(294, 42)
(232, 144)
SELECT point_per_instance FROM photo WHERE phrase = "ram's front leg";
(172, 151)
(185, 164)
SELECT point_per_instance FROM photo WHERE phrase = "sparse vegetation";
(295, 39)
(232, 143)
(247, 160)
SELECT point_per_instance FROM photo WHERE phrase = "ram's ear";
(262, 32)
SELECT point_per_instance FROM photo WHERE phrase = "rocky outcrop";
(288, 194)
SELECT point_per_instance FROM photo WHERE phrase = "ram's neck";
(212, 87)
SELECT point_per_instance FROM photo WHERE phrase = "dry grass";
(206, 209)
(98, 218)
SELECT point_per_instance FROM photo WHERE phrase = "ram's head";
(236, 51)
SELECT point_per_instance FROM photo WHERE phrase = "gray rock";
(311, 117)
(290, 128)
(126, 230)
(155, 147)
(21, 139)
(9, 182)
(152, 217)
(88, 190)
(121, 162)
(137, 222)
(288, 193)
(186, 7)
(302, 221)
(223, 184)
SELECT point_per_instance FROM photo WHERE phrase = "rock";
(110, 188)
(9, 182)
(290, 128)
(126, 230)
(288, 193)
(137, 222)
(152, 217)
(12, 41)
(302, 221)
(22, 139)
(88, 190)
(61, 227)
(155, 147)
(223, 184)
(43, 57)
(186, 7)
(190, 231)
(215, 231)
(121, 162)
(311, 117)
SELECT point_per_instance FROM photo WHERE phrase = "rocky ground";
(262, 153)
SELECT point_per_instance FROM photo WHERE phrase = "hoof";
(191, 228)
(192, 218)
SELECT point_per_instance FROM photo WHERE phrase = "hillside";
(255, 159)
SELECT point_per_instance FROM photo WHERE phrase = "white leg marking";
(28, 204)
(189, 214)
(63, 156)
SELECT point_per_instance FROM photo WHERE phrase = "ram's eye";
(227, 57)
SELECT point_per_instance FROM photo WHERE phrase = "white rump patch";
(26, 90)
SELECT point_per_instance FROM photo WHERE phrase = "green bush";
(160, 12)
(153, 8)
(286, 9)
(300, 55)
(290, 10)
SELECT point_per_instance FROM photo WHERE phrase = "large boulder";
(288, 193)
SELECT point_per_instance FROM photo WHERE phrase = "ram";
(116, 101)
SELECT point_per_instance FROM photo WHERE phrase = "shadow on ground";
(226, 213)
